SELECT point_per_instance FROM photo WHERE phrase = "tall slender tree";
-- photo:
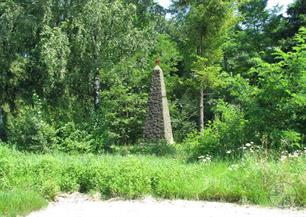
(205, 23)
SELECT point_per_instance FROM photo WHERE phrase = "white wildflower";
(248, 145)
(283, 158)
(233, 167)
(296, 154)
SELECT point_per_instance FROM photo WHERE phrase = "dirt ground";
(79, 205)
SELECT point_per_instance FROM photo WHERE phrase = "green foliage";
(167, 50)
(253, 179)
(15, 203)
(73, 140)
(29, 131)
(295, 20)
(70, 177)
(90, 61)
(130, 179)
(206, 73)
(256, 30)
(49, 189)
(273, 101)
(54, 53)
(207, 26)
(58, 49)
(124, 113)
(290, 140)
(73, 54)
(226, 133)
(6, 168)
(158, 149)
(281, 94)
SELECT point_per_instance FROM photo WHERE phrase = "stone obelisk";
(158, 123)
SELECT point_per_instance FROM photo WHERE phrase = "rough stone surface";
(158, 123)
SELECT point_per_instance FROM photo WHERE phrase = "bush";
(95, 177)
(70, 177)
(46, 176)
(290, 140)
(49, 189)
(29, 131)
(73, 140)
(131, 179)
(226, 133)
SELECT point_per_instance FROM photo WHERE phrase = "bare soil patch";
(80, 205)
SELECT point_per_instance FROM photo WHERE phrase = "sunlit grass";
(20, 202)
(253, 179)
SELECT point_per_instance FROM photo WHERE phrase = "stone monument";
(158, 123)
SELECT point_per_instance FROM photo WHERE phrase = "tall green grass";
(253, 179)
(13, 203)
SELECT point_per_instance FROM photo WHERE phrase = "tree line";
(75, 74)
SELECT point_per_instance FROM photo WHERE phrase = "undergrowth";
(253, 179)
(18, 202)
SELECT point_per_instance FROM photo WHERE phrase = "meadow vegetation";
(20, 202)
(254, 178)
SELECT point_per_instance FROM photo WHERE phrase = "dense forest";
(75, 75)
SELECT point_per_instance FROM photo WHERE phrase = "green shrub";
(290, 140)
(29, 131)
(45, 174)
(95, 177)
(130, 179)
(47, 167)
(69, 177)
(186, 181)
(49, 189)
(224, 134)
(73, 140)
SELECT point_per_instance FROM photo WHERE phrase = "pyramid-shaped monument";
(158, 123)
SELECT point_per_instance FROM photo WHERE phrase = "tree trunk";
(201, 110)
(201, 93)
(97, 66)
(2, 132)
(97, 91)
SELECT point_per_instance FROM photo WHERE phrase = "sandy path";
(77, 205)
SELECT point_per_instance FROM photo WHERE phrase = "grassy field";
(252, 179)
(13, 203)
